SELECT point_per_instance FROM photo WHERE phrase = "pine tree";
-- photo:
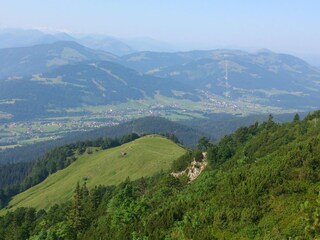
(84, 190)
(296, 118)
(77, 218)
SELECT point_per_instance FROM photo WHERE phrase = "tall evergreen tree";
(77, 218)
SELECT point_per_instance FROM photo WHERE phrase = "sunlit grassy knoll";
(143, 157)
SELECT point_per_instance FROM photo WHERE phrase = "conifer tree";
(77, 218)
(296, 118)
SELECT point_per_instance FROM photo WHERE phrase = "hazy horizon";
(281, 26)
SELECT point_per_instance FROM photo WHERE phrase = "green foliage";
(296, 118)
(182, 162)
(28, 174)
(259, 178)
(197, 155)
(144, 157)
(204, 144)
(312, 219)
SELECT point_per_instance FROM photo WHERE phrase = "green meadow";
(140, 158)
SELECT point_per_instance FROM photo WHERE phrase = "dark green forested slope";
(146, 125)
(254, 187)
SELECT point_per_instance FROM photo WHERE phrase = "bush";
(182, 162)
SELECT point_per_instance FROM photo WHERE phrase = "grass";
(145, 157)
(37, 140)
(9, 146)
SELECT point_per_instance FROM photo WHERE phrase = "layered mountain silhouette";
(266, 77)
(48, 77)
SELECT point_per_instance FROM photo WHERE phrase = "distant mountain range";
(65, 74)
(10, 38)
(41, 79)
(267, 77)
(22, 61)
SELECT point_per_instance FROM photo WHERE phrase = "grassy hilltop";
(144, 157)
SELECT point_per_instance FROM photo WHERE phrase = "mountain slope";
(86, 83)
(261, 182)
(144, 157)
(11, 38)
(259, 177)
(105, 43)
(21, 61)
(189, 136)
(150, 125)
(261, 77)
(67, 75)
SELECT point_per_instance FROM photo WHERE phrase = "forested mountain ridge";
(253, 188)
(86, 83)
(262, 77)
(67, 78)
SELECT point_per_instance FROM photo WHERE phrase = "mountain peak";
(265, 50)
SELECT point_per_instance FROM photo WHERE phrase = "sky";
(280, 25)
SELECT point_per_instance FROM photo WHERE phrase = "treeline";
(253, 188)
(214, 127)
(217, 125)
(74, 220)
(24, 176)
(13, 173)
(11, 176)
(148, 125)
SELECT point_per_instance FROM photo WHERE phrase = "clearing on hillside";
(143, 157)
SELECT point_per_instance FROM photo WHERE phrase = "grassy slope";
(146, 156)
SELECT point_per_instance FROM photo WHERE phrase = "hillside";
(11, 38)
(262, 182)
(82, 84)
(105, 43)
(262, 77)
(68, 79)
(18, 62)
(189, 136)
(144, 157)
(218, 125)
(49, 79)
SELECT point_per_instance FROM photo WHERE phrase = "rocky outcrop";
(194, 170)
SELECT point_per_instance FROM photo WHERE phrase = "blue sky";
(280, 25)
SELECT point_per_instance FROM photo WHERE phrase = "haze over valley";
(64, 86)
(173, 120)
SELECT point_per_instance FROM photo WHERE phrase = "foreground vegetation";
(139, 158)
(16, 178)
(262, 182)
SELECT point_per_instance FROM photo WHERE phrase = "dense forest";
(261, 182)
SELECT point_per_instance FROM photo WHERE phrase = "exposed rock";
(194, 170)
